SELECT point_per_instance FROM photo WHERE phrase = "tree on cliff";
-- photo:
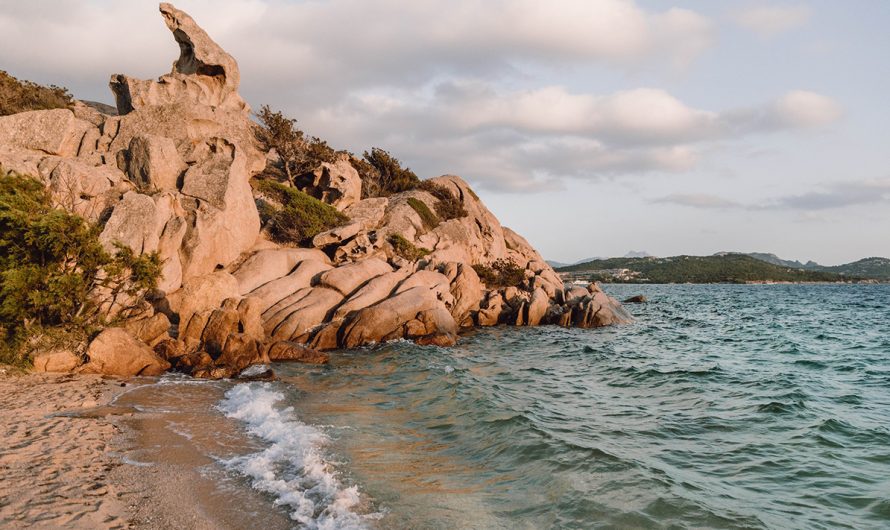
(297, 153)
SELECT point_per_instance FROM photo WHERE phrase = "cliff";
(171, 174)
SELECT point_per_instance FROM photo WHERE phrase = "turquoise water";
(721, 407)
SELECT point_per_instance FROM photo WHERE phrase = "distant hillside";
(727, 268)
(878, 268)
(875, 267)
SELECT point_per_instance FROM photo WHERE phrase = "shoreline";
(87, 451)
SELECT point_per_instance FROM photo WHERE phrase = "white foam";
(292, 467)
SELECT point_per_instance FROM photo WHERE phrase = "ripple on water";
(721, 407)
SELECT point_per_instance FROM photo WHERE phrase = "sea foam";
(292, 467)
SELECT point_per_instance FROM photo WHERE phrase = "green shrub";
(501, 273)
(447, 205)
(427, 217)
(382, 174)
(20, 96)
(406, 249)
(300, 217)
(297, 153)
(55, 276)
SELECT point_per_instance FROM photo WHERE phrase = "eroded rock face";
(169, 173)
(116, 352)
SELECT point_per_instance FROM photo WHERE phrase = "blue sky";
(592, 127)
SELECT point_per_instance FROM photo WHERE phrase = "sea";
(721, 406)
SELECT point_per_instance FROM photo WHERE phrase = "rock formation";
(170, 173)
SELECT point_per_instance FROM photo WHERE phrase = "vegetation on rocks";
(447, 205)
(500, 273)
(383, 175)
(297, 152)
(297, 217)
(406, 249)
(20, 96)
(429, 219)
(56, 279)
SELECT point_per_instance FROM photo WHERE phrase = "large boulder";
(347, 278)
(116, 352)
(336, 183)
(203, 293)
(153, 163)
(53, 132)
(271, 264)
(413, 314)
(302, 276)
(56, 361)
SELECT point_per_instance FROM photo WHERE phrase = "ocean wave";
(292, 467)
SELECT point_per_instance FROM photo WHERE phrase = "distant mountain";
(631, 254)
(726, 268)
(875, 267)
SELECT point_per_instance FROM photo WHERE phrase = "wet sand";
(86, 452)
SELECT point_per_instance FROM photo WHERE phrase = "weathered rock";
(467, 290)
(537, 307)
(491, 309)
(203, 293)
(374, 291)
(336, 183)
(204, 73)
(347, 278)
(170, 349)
(151, 330)
(152, 163)
(336, 236)
(302, 276)
(56, 361)
(638, 299)
(133, 223)
(310, 311)
(291, 351)
(53, 132)
(116, 352)
(241, 351)
(220, 326)
(268, 265)
(411, 314)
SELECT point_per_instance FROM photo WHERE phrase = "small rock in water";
(638, 299)
(257, 372)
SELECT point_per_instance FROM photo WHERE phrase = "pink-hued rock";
(116, 352)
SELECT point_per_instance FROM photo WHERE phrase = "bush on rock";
(297, 217)
(56, 279)
(501, 273)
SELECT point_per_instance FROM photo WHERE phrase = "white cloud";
(801, 108)
(697, 200)
(768, 21)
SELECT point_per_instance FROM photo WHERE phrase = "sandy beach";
(58, 452)
(83, 451)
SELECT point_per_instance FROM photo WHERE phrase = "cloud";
(449, 86)
(832, 196)
(768, 21)
(800, 108)
(697, 200)
(838, 195)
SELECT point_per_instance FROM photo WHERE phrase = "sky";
(592, 127)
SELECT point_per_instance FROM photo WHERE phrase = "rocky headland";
(171, 173)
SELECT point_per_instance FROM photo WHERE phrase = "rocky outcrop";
(169, 173)
(116, 352)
